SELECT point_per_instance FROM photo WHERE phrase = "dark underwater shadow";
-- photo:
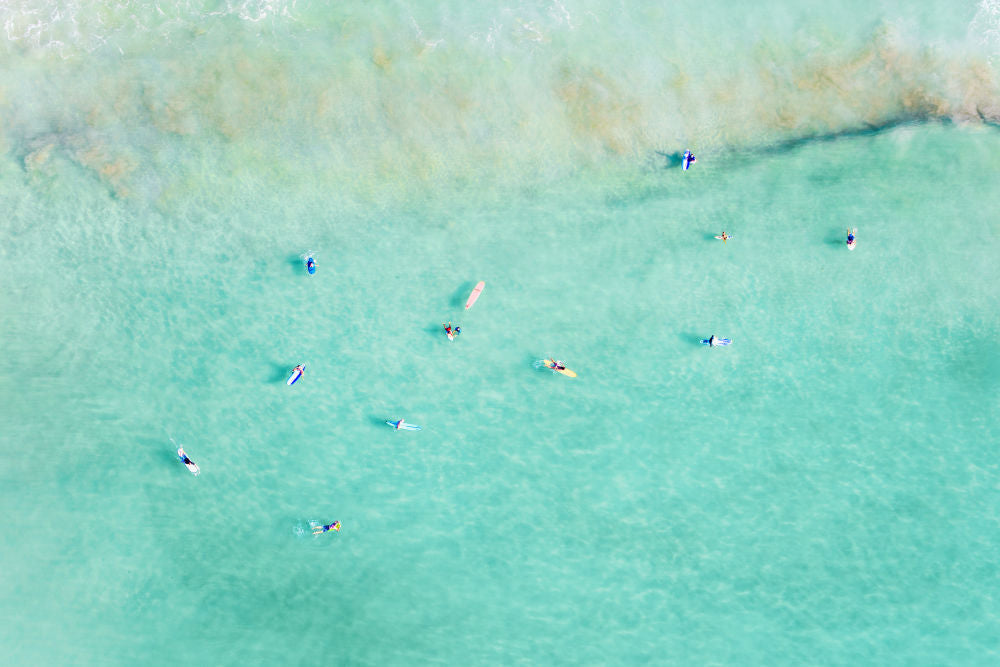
(691, 338)
(437, 331)
(671, 160)
(280, 372)
(460, 296)
(838, 241)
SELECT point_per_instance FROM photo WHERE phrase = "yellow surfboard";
(551, 365)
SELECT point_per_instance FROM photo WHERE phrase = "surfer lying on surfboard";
(715, 341)
(557, 366)
(318, 530)
(400, 424)
(191, 465)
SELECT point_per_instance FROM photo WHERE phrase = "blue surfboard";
(296, 374)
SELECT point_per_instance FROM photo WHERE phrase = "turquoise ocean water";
(824, 491)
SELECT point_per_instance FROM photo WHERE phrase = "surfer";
(318, 530)
(398, 424)
(850, 239)
(300, 369)
(311, 266)
(557, 365)
(688, 159)
(185, 459)
(711, 341)
(451, 332)
(724, 237)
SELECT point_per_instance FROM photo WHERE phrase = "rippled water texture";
(823, 491)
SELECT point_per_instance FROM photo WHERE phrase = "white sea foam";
(985, 27)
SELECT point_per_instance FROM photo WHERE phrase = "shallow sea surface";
(823, 491)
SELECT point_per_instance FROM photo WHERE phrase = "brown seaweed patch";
(596, 108)
(381, 59)
(112, 170)
(829, 89)
(36, 159)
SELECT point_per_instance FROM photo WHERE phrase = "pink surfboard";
(475, 294)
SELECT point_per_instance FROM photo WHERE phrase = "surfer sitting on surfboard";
(318, 530)
(724, 237)
(850, 238)
(452, 332)
(557, 365)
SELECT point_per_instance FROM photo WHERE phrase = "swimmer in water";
(319, 530)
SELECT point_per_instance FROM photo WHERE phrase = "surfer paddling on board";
(319, 530)
(688, 160)
(188, 463)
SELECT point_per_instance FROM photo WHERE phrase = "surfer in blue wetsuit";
(850, 238)
(398, 424)
(318, 530)
(711, 341)
(457, 330)
(311, 265)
